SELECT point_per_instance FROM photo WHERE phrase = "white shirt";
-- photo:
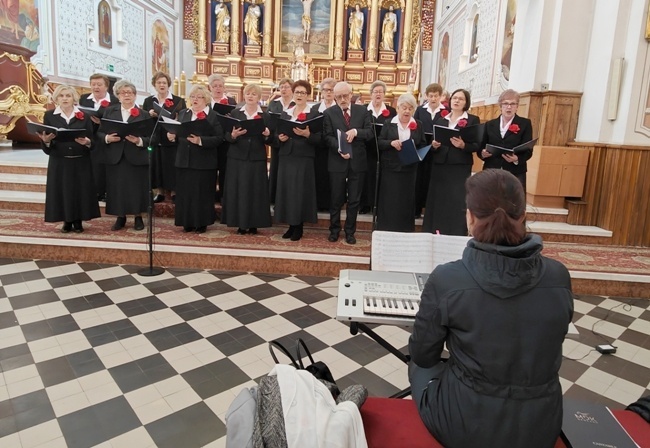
(452, 124)
(98, 102)
(435, 111)
(323, 106)
(251, 116)
(504, 126)
(371, 108)
(59, 111)
(404, 132)
(205, 111)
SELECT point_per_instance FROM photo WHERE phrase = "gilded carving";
(354, 76)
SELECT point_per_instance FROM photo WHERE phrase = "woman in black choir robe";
(70, 194)
(397, 181)
(196, 165)
(246, 202)
(380, 114)
(452, 165)
(507, 131)
(127, 170)
(164, 151)
(295, 200)
(217, 86)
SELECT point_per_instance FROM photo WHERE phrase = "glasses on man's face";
(300, 92)
(509, 104)
(343, 96)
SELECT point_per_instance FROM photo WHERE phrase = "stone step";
(22, 182)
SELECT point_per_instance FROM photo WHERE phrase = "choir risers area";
(25, 235)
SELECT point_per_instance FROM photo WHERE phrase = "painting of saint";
(19, 23)
(160, 46)
(306, 22)
(104, 19)
(508, 38)
(443, 62)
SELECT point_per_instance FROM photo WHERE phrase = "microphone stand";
(152, 271)
(377, 174)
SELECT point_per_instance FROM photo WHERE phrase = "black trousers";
(344, 184)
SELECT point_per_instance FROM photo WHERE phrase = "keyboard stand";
(354, 329)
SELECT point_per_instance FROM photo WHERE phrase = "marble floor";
(97, 355)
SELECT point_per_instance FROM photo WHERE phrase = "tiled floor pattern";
(98, 355)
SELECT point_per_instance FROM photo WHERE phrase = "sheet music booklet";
(414, 252)
(62, 134)
(286, 126)
(139, 128)
(223, 109)
(410, 154)
(344, 146)
(498, 150)
(91, 111)
(161, 110)
(186, 128)
(470, 134)
(255, 126)
(592, 424)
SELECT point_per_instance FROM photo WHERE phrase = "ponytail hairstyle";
(497, 201)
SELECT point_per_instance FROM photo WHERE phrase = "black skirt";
(195, 197)
(70, 190)
(445, 207)
(396, 202)
(295, 199)
(164, 170)
(246, 196)
(127, 188)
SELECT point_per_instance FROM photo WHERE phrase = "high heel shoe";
(253, 230)
(120, 222)
(139, 224)
(77, 227)
(67, 226)
(241, 231)
(288, 233)
(297, 233)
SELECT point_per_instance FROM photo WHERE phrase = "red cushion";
(391, 422)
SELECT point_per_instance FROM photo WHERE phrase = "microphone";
(377, 172)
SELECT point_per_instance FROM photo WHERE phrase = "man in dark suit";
(99, 99)
(507, 131)
(347, 171)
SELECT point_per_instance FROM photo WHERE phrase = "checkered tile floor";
(98, 355)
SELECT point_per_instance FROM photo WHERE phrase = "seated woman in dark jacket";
(503, 312)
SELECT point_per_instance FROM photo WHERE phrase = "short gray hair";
(253, 87)
(216, 77)
(123, 84)
(62, 88)
(201, 89)
(378, 83)
(507, 94)
(407, 98)
(343, 85)
(331, 81)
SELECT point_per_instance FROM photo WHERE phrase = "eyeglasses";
(328, 90)
(197, 97)
(376, 92)
(343, 96)
(300, 92)
(126, 92)
(509, 104)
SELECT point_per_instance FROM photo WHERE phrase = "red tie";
(346, 116)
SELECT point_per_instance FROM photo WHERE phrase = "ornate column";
(373, 45)
(406, 36)
(234, 29)
(341, 6)
(268, 24)
(200, 41)
(202, 29)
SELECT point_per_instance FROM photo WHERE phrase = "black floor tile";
(129, 376)
(8, 319)
(141, 306)
(193, 426)
(213, 289)
(310, 295)
(15, 357)
(116, 417)
(31, 409)
(33, 299)
(55, 371)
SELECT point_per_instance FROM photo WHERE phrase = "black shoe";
(101, 197)
(173, 199)
(120, 222)
(188, 229)
(364, 210)
(67, 226)
(201, 229)
(253, 230)
(77, 227)
(286, 235)
(333, 238)
(350, 239)
(297, 233)
(241, 231)
(159, 198)
(138, 224)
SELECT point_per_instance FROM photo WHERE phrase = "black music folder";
(62, 134)
(140, 128)
(344, 146)
(469, 134)
(161, 110)
(186, 128)
(91, 111)
(410, 154)
(586, 424)
(498, 150)
(223, 109)
(286, 126)
(254, 127)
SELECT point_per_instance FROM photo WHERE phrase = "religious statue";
(299, 67)
(306, 19)
(222, 22)
(388, 29)
(356, 28)
(252, 24)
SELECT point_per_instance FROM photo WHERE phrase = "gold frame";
(277, 35)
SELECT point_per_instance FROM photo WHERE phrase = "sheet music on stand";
(414, 252)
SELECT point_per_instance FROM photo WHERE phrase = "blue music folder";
(410, 154)
(344, 146)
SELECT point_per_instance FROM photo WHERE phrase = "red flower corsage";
(257, 117)
(513, 128)
(169, 103)
(223, 101)
(79, 115)
(385, 112)
(135, 112)
(301, 116)
(200, 115)
(413, 125)
(461, 123)
(444, 113)
(104, 103)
